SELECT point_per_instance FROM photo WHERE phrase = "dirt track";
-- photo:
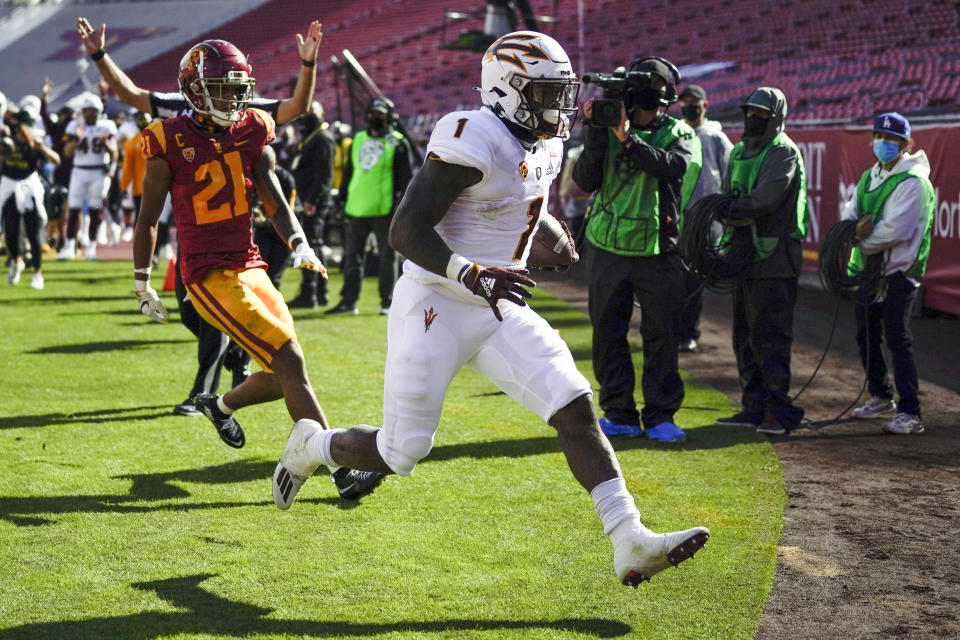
(869, 546)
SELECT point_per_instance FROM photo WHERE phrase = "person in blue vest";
(894, 203)
(644, 171)
(377, 172)
(766, 172)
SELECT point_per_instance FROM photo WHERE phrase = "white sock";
(320, 444)
(614, 503)
(223, 407)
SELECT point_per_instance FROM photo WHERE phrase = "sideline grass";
(121, 520)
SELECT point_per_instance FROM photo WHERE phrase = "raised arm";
(294, 107)
(118, 81)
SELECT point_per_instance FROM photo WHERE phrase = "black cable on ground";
(712, 251)
(862, 286)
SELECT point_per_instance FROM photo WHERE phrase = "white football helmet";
(89, 100)
(527, 79)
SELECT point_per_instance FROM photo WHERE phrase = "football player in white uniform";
(465, 225)
(92, 142)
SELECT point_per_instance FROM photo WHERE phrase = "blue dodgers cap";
(892, 122)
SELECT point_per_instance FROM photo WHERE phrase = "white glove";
(305, 258)
(151, 306)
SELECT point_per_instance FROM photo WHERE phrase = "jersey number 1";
(214, 170)
(533, 213)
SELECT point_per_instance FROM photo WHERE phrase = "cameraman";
(644, 170)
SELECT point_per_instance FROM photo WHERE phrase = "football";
(552, 247)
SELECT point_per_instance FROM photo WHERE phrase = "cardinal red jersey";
(212, 181)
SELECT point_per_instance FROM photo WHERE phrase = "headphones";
(671, 88)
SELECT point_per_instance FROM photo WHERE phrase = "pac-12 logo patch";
(524, 169)
(428, 317)
(189, 154)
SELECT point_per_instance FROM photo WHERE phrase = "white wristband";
(298, 234)
(144, 270)
(457, 266)
(141, 285)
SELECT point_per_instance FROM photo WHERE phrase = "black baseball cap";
(695, 91)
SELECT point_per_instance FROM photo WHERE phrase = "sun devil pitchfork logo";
(428, 317)
(516, 50)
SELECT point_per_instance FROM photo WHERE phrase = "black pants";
(890, 319)
(354, 251)
(312, 286)
(762, 339)
(11, 231)
(657, 283)
(213, 346)
(273, 250)
(691, 308)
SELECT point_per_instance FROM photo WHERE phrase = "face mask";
(648, 98)
(885, 150)
(691, 112)
(755, 125)
(376, 124)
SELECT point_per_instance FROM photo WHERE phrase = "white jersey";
(492, 221)
(91, 152)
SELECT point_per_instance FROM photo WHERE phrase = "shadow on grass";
(205, 613)
(155, 487)
(98, 347)
(98, 415)
(41, 299)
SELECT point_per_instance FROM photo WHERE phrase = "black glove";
(496, 283)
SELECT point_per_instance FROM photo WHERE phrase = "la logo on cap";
(886, 123)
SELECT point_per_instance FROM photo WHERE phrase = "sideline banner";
(836, 158)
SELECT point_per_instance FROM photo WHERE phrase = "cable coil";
(712, 251)
(838, 278)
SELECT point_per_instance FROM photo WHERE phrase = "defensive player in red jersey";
(209, 160)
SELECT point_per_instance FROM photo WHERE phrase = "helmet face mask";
(215, 80)
(527, 79)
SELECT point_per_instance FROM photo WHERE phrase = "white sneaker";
(296, 464)
(903, 424)
(127, 234)
(16, 268)
(166, 252)
(68, 252)
(90, 253)
(875, 408)
(36, 282)
(639, 553)
(102, 233)
(115, 233)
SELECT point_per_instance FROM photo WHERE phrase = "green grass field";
(119, 519)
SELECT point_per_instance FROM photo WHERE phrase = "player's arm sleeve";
(462, 141)
(270, 106)
(167, 105)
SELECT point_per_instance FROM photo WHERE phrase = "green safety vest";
(370, 192)
(625, 215)
(743, 179)
(871, 202)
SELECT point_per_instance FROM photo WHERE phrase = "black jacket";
(667, 166)
(314, 168)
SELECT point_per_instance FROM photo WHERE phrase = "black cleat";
(230, 432)
(186, 408)
(353, 484)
